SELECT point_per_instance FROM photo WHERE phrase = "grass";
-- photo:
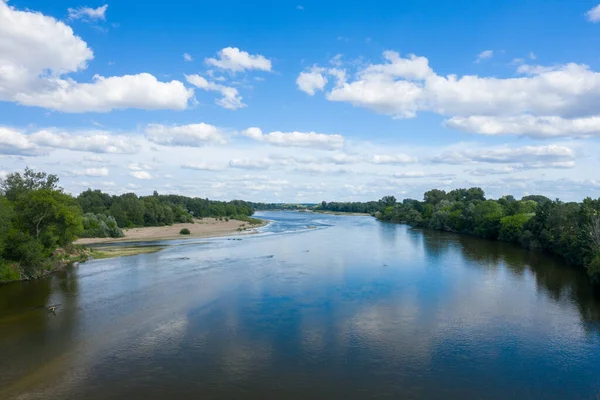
(250, 220)
(103, 252)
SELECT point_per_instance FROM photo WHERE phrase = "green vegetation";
(123, 251)
(130, 210)
(250, 220)
(370, 207)
(100, 226)
(36, 219)
(570, 230)
(280, 206)
(39, 221)
(184, 231)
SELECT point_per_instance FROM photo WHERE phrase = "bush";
(593, 269)
(184, 231)
(8, 272)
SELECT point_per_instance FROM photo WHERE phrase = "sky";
(304, 101)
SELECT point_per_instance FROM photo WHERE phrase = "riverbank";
(201, 228)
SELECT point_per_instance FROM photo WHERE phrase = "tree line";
(37, 217)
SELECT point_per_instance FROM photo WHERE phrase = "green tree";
(487, 216)
(511, 227)
(6, 218)
(16, 184)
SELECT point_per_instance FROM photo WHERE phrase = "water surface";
(316, 306)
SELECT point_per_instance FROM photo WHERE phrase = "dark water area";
(348, 308)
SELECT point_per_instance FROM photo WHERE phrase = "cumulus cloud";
(88, 14)
(187, 57)
(16, 142)
(193, 135)
(506, 155)
(230, 99)
(13, 142)
(484, 55)
(236, 60)
(38, 51)
(312, 81)
(296, 139)
(138, 167)
(528, 125)
(95, 142)
(593, 15)
(403, 86)
(511, 169)
(263, 163)
(143, 175)
(93, 172)
(392, 159)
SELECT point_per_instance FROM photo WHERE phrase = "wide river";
(313, 307)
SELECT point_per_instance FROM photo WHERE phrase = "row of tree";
(369, 207)
(37, 217)
(131, 210)
(570, 230)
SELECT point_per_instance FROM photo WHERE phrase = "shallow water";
(348, 308)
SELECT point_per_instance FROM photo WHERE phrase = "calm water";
(351, 308)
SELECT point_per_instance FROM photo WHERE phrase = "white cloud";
(93, 172)
(193, 135)
(310, 82)
(138, 167)
(87, 13)
(235, 60)
(393, 159)
(187, 57)
(95, 142)
(401, 87)
(323, 169)
(527, 125)
(507, 155)
(419, 174)
(107, 94)
(203, 166)
(16, 142)
(143, 175)
(336, 60)
(484, 55)
(230, 99)
(13, 142)
(593, 15)
(296, 139)
(532, 55)
(511, 169)
(37, 51)
(264, 163)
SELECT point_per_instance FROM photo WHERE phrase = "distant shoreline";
(201, 228)
(343, 213)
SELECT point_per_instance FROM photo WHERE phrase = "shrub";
(184, 231)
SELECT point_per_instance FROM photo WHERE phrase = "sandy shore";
(206, 227)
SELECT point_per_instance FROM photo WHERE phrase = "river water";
(315, 306)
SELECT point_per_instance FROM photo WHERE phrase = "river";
(314, 306)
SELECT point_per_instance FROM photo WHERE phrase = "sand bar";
(206, 227)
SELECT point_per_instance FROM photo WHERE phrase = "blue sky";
(303, 101)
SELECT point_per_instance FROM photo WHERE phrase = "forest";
(570, 230)
(39, 221)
